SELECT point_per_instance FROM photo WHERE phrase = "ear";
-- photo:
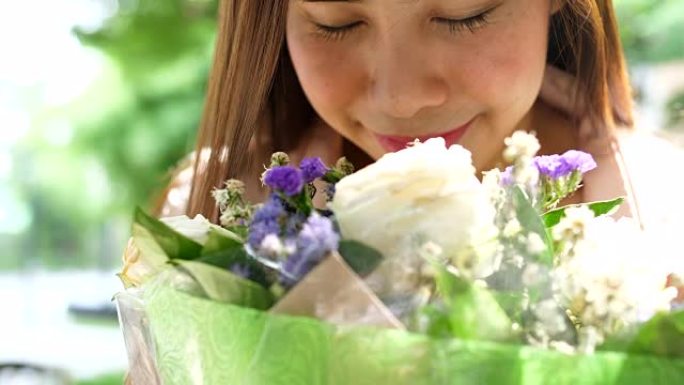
(556, 6)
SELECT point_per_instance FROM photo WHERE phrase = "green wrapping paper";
(199, 341)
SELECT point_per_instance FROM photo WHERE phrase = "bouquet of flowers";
(413, 272)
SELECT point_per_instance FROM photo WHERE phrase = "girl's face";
(385, 72)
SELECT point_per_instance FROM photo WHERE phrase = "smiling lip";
(396, 143)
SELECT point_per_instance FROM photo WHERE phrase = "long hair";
(584, 41)
(255, 104)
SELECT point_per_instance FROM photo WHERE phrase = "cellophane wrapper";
(174, 335)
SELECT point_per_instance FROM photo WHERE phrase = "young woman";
(360, 78)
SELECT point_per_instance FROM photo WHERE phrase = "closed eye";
(336, 32)
(471, 23)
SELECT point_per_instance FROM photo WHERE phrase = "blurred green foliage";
(651, 30)
(162, 50)
(125, 135)
(675, 111)
(109, 379)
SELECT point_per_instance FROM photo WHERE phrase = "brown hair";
(584, 41)
(255, 104)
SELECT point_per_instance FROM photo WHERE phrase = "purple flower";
(559, 166)
(507, 176)
(579, 160)
(293, 224)
(312, 168)
(286, 179)
(266, 220)
(552, 166)
(317, 238)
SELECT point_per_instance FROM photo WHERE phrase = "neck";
(530, 122)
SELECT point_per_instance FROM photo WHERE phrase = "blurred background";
(99, 99)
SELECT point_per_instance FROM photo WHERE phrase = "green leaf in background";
(662, 336)
(552, 217)
(531, 221)
(174, 244)
(223, 286)
(361, 258)
(473, 311)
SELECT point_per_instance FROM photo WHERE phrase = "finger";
(559, 89)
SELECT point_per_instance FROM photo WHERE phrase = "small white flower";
(431, 251)
(612, 278)
(550, 315)
(532, 274)
(535, 244)
(271, 246)
(491, 181)
(589, 338)
(512, 228)
(571, 226)
(525, 173)
(520, 145)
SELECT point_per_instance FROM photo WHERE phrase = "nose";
(404, 79)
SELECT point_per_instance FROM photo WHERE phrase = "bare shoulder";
(175, 198)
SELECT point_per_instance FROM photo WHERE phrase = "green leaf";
(220, 239)
(606, 207)
(531, 220)
(663, 335)
(551, 218)
(173, 243)
(225, 249)
(438, 324)
(223, 286)
(512, 302)
(474, 313)
(361, 258)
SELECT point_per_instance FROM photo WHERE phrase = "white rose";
(423, 193)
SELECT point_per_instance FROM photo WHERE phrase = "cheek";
(328, 76)
(505, 69)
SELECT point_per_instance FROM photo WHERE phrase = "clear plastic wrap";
(176, 335)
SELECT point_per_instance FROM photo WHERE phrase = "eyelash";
(336, 33)
(455, 26)
(471, 23)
